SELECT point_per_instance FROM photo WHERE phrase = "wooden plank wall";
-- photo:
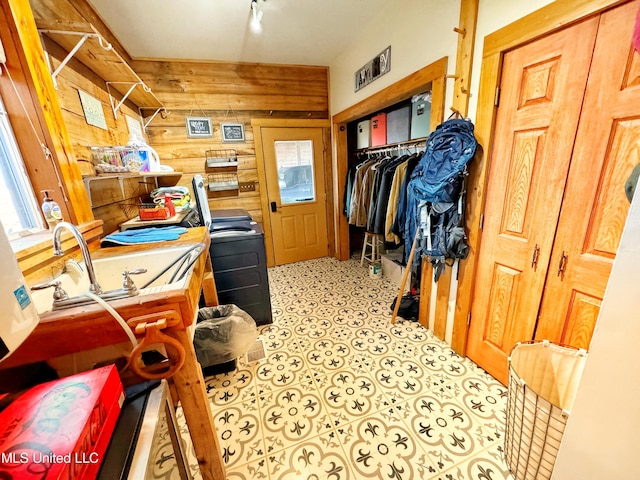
(112, 208)
(227, 92)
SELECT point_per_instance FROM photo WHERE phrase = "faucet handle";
(127, 282)
(58, 294)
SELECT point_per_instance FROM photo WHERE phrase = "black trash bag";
(409, 306)
(222, 334)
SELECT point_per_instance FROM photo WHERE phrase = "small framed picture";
(199, 127)
(232, 132)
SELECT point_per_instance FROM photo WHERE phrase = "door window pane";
(294, 159)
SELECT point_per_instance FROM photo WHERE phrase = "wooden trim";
(432, 75)
(49, 113)
(401, 90)
(551, 18)
(289, 122)
(264, 197)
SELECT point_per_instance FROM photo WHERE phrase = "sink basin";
(109, 274)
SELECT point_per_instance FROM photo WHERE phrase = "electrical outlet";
(247, 186)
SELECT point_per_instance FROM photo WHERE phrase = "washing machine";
(238, 256)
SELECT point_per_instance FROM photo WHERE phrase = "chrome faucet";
(84, 248)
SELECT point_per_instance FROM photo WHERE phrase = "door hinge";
(468, 319)
(496, 99)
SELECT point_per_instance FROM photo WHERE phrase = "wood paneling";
(227, 92)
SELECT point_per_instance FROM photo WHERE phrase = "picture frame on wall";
(232, 132)
(199, 127)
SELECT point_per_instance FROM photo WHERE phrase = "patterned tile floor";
(345, 395)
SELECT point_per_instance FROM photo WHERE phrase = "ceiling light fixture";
(257, 15)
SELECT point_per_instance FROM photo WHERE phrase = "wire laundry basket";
(543, 380)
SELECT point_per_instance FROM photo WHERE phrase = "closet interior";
(383, 149)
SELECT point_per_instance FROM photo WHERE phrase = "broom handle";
(405, 276)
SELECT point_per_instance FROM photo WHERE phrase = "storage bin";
(420, 115)
(363, 134)
(398, 124)
(379, 130)
(543, 380)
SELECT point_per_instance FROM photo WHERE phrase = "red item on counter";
(61, 429)
(159, 213)
(169, 205)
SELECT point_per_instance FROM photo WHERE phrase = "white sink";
(109, 274)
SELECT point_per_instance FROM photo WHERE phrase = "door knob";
(274, 207)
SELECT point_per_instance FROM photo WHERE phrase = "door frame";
(549, 19)
(257, 124)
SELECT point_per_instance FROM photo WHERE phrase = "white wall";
(601, 439)
(419, 32)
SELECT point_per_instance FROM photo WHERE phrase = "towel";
(143, 235)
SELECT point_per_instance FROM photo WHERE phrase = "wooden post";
(464, 61)
(49, 114)
(190, 386)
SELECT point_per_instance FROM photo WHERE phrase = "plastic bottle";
(51, 210)
(169, 204)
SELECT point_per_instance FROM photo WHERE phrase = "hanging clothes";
(357, 189)
(401, 215)
(384, 193)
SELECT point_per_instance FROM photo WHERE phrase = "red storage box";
(160, 213)
(61, 429)
(379, 130)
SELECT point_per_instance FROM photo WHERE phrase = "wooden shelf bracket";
(115, 107)
(83, 38)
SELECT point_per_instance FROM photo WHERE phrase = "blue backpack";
(435, 197)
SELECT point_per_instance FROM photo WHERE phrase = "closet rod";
(406, 143)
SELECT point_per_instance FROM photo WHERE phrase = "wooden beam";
(464, 56)
(48, 111)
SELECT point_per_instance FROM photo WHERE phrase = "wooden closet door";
(542, 87)
(595, 207)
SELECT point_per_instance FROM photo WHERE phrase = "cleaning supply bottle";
(51, 210)
(169, 205)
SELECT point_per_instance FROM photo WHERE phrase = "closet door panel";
(542, 87)
(595, 207)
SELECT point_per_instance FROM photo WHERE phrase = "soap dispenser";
(51, 210)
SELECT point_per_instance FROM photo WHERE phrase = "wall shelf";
(160, 179)
(86, 44)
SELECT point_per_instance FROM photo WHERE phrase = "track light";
(257, 14)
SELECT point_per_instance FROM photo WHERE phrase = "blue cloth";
(143, 235)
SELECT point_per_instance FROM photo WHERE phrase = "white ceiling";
(305, 32)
